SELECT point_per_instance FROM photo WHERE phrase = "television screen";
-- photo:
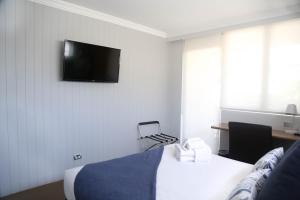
(91, 63)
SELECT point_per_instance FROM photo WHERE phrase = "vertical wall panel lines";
(28, 128)
(11, 92)
(44, 120)
(21, 89)
(4, 142)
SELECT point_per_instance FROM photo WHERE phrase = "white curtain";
(261, 67)
(255, 68)
(201, 88)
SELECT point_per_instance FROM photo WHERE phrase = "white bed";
(211, 180)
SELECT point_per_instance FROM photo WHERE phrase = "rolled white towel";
(199, 151)
(196, 144)
(179, 151)
(184, 155)
(202, 154)
(186, 159)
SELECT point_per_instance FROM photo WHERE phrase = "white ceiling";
(183, 17)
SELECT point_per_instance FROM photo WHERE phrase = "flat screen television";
(90, 63)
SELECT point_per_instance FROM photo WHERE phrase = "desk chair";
(249, 142)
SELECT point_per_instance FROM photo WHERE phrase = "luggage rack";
(159, 138)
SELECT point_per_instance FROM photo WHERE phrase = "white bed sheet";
(211, 180)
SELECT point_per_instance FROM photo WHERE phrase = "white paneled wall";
(44, 121)
(175, 60)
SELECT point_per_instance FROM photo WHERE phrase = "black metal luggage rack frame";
(160, 138)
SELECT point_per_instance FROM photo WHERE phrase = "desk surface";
(275, 133)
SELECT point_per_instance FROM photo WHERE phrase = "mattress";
(210, 180)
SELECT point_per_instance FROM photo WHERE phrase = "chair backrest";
(248, 142)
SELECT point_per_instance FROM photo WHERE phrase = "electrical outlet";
(77, 156)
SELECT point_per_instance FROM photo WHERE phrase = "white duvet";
(211, 180)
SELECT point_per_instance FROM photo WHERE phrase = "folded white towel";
(186, 159)
(181, 152)
(184, 155)
(202, 154)
(198, 151)
(195, 144)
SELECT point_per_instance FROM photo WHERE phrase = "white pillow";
(269, 160)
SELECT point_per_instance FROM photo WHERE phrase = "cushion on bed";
(250, 186)
(270, 159)
(284, 182)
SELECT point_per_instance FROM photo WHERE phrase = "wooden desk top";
(275, 133)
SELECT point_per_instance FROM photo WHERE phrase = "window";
(243, 68)
(201, 87)
(261, 67)
(255, 68)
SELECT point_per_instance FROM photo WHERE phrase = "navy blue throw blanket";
(128, 178)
